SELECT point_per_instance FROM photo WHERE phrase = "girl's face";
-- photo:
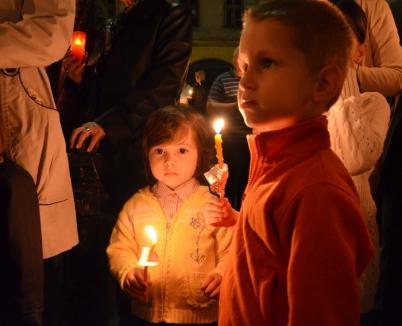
(173, 163)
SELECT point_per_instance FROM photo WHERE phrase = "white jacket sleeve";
(357, 129)
(40, 37)
(386, 74)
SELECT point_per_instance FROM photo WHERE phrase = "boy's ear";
(328, 85)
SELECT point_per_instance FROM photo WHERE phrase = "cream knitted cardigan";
(357, 126)
(188, 250)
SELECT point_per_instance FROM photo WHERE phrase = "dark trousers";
(57, 291)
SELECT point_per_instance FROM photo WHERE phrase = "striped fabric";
(224, 88)
(171, 200)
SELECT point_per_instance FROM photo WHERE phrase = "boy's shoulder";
(316, 173)
(323, 169)
(318, 186)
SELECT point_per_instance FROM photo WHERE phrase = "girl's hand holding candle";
(147, 252)
(220, 213)
(134, 283)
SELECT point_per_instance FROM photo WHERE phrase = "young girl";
(183, 287)
(357, 124)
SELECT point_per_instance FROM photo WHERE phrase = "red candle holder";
(78, 45)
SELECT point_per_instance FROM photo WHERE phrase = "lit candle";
(78, 45)
(218, 125)
(147, 251)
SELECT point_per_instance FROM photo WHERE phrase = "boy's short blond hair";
(320, 31)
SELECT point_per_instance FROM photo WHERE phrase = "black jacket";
(144, 70)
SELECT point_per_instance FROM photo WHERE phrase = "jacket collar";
(308, 135)
(184, 191)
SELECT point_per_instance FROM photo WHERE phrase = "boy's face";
(275, 89)
(174, 162)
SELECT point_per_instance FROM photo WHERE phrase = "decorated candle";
(218, 125)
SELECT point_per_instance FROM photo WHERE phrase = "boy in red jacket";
(301, 242)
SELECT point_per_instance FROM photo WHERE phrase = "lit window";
(233, 13)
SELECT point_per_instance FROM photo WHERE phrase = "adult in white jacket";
(357, 124)
(381, 69)
(33, 34)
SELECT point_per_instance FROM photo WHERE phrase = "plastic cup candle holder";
(78, 45)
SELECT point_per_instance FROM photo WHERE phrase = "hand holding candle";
(78, 45)
(147, 252)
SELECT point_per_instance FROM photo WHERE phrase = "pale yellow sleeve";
(123, 247)
(386, 74)
(223, 240)
(41, 36)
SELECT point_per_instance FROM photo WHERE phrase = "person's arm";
(386, 74)
(159, 86)
(123, 248)
(223, 238)
(358, 129)
(40, 37)
(330, 247)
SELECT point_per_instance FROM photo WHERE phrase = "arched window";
(233, 10)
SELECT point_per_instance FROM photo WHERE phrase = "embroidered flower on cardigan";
(198, 223)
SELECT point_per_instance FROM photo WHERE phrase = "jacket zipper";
(254, 160)
(168, 231)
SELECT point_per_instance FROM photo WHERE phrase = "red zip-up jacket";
(301, 242)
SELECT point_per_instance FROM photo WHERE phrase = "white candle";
(147, 251)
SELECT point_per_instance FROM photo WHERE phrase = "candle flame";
(218, 125)
(77, 41)
(151, 233)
